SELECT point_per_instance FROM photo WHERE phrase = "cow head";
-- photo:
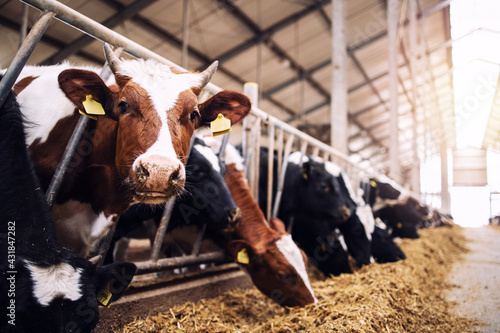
(156, 111)
(207, 198)
(276, 265)
(318, 194)
(383, 247)
(63, 297)
(401, 219)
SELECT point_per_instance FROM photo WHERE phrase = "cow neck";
(253, 227)
(23, 204)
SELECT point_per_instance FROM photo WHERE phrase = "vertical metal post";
(315, 151)
(162, 229)
(24, 24)
(199, 238)
(23, 54)
(256, 160)
(338, 108)
(280, 149)
(69, 153)
(445, 194)
(392, 33)
(185, 33)
(303, 147)
(415, 172)
(281, 180)
(251, 143)
(270, 169)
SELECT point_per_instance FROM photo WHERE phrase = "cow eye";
(324, 187)
(123, 106)
(193, 115)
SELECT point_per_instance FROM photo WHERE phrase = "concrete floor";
(478, 276)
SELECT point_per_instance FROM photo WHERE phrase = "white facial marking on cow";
(292, 253)
(380, 224)
(61, 280)
(163, 87)
(342, 241)
(209, 155)
(297, 158)
(365, 215)
(333, 169)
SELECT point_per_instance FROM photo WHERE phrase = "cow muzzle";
(233, 216)
(157, 179)
(343, 213)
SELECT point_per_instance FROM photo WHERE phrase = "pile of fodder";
(406, 296)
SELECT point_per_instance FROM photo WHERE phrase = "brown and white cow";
(278, 268)
(135, 153)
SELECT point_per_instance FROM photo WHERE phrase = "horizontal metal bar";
(178, 262)
(73, 18)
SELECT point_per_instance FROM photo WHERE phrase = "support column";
(415, 172)
(445, 193)
(338, 104)
(392, 34)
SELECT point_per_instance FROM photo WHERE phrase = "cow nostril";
(233, 214)
(141, 171)
(176, 176)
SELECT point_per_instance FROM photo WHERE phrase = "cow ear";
(78, 84)
(241, 252)
(277, 224)
(111, 281)
(233, 105)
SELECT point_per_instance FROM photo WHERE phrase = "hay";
(406, 296)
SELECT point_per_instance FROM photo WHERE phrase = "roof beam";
(167, 36)
(278, 51)
(122, 15)
(50, 40)
(265, 34)
(351, 50)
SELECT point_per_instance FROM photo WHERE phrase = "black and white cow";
(315, 203)
(397, 210)
(43, 288)
(207, 201)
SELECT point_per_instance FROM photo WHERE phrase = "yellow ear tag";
(373, 183)
(399, 225)
(242, 257)
(221, 125)
(93, 107)
(103, 296)
(87, 115)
